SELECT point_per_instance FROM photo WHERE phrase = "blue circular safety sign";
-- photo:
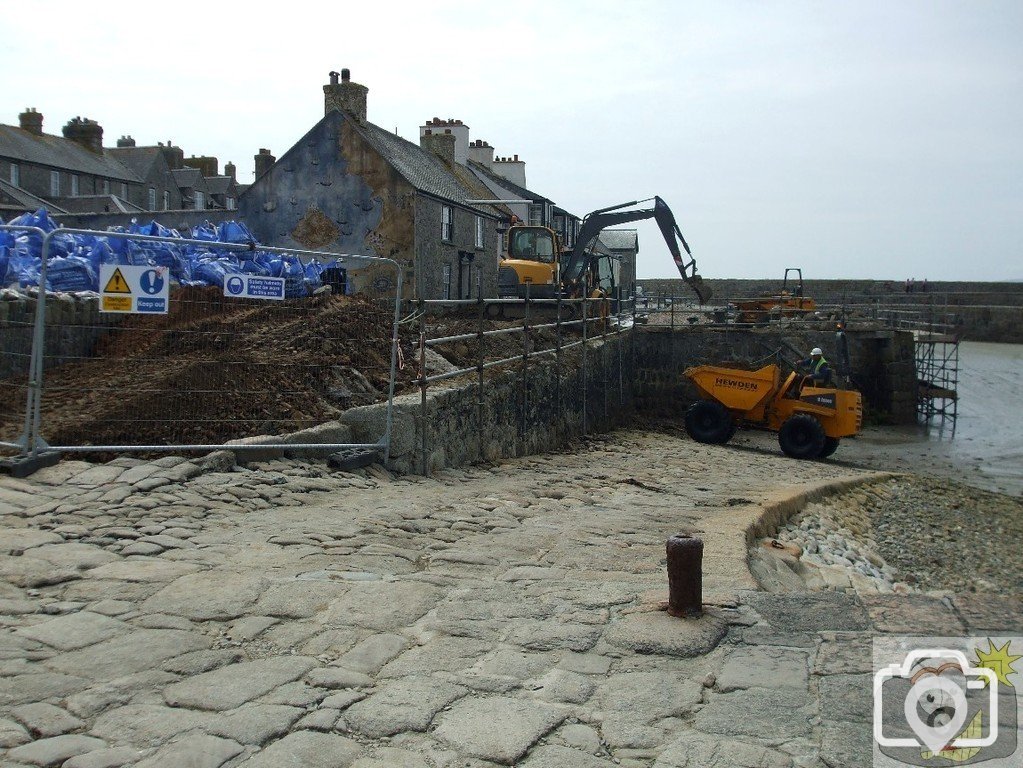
(235, 285)
(151, 282)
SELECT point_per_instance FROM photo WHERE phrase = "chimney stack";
(231, 170)
(451, 126)
(264, 162)
(482, 153)
(31, 121)
(126, 141)
(440, 144)
(175, 156)
(208, 166)
(86, 132)
(345, 95)
(510, 168)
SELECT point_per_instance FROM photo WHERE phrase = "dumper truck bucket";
(735, 389)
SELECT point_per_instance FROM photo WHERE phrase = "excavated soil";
(213, 370)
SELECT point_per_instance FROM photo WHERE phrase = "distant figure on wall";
(923, 286)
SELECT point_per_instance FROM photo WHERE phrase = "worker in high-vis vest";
(819, 369)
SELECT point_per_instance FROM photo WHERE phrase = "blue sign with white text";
(254, 287)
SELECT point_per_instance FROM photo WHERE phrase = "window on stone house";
(446, 282)
(200, 201)
(479, 231)
(74, 185)
(54, 183)
(230, 203)
(15, 174)
(106, 186)
(152, 198)
(536, 215)
(124, 191)
(166, 200)
(447, 227)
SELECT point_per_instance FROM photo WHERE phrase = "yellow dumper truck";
(810, 420)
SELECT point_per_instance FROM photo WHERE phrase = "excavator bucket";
(704, 291)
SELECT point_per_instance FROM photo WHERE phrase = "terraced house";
(74, 175)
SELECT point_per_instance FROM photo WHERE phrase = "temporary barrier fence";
(19, 315)
(213, 369)
(577, 323)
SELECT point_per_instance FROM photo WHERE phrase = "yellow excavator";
(538, 265)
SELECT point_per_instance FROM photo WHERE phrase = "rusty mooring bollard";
(685, 575)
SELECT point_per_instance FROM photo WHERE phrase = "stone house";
(349, 186)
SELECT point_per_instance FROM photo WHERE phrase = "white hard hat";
(816, 351)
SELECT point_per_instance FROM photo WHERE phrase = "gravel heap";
(908, 534)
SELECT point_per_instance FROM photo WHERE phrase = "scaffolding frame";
(936, 348)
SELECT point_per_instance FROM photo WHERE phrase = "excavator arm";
(575, 263)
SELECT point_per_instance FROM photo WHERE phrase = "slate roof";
(189, 178)
(620, 239)
(25, 199)
(420, 168)
(219, 185)
(526, 194)
(58, 152)
(99, 204)
(139, 159)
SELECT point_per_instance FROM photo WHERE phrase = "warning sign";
(144, 290)
(116, 304)
(117, 283)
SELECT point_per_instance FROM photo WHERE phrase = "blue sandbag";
(234, 232)
(212, 271)
(70, 274)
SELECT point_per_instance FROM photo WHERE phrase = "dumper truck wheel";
(830, 446)
(707, 421)
(802, 437)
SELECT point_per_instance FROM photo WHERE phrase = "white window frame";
(200, 201)
(124, 190)
(479, 232)
(106, 186)
(166, 200)
(74, 185)
(54, 183)
(152, 198)
(536, 215)
(447, 282)
(447, 224)
(15, 174)
(230, 204)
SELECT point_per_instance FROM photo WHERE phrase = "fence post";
(39, 353)
(479, 366)
(585, 382)
(557, 368)
(422, 385)
(524, 381)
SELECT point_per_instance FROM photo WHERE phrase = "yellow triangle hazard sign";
(117, 283)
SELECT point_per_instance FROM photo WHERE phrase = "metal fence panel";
(19, 314)
(215, 368)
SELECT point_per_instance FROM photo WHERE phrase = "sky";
(870, 139)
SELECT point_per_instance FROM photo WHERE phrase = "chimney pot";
(346, 75)
(333, 78)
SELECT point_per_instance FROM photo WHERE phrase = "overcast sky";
(853, 139)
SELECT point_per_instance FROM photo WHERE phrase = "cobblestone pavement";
(185, 613)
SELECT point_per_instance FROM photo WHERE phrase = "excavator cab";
(532, 244)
